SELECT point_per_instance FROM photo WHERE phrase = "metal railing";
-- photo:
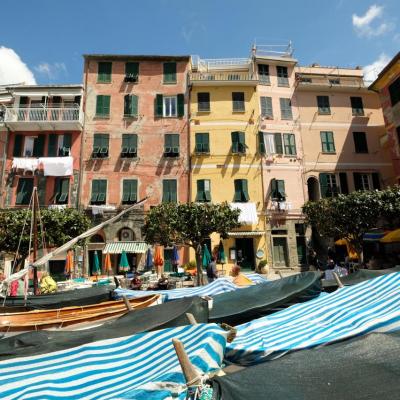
(37, 114)
(273, 50)
(223, 76)
(328, 81)
(219, 63)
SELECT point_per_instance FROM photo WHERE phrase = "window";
(280, 251)
(364, 181)
(24, 191)
(394, 91)
(238, 142)
(360, 142)
(130, 105)
(328, 185)
(357, 106)
(169, 106)
(129, 191)
(263, 73)
(278, 190)
(169, 191)
(266, 107)
(283, 77)
(103, 106)
(238, 101)
(344, 188)
(170, 72)
(203, 190)
(59, 145)
(241, 192)
(131, 72)
(104, 72)
(129, 145)
(327, 142)
(100, 145)
(171, 145)
(203, 101)
(286, 108)
(334, 81)
(289, 142)
(61, 191)
(29, 146)
(323, 105)
(99, 191)
(270, 143)
(202, 143)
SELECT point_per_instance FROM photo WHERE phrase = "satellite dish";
(260, 254)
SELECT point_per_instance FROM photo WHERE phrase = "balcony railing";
(37, 114)
(223, 77)
(311, 81)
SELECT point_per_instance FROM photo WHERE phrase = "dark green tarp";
(161, 316)
(365, 368)
(359, 276)
(244, 305)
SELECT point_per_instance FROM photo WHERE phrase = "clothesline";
(52, 166)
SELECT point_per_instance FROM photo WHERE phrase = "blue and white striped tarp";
(370, 306)
(142, 366)
(220, 285)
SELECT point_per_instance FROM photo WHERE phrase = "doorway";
(280, 251)
(245, 253)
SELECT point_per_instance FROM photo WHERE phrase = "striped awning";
(245, 233)
(129, 247)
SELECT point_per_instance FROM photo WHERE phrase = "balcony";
(223, 78)
(308, 82)
(43, 118)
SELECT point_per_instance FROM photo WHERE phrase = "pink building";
(135, 143)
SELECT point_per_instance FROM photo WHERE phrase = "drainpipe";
(189, 86)
(3, 167)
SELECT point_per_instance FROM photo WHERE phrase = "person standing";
(212, 270)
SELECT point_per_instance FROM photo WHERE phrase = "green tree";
(59, 226)
(189, 224)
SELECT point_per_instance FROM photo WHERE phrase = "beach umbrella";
(206, 259)
(158, 260)
(107, 264)
(123, 263)
(149, 260)
(221, 253)
(69, 263)
(96, 270)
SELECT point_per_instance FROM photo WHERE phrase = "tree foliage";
(59, 226)
(189, 224)
(351, 216)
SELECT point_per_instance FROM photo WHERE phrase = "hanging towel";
(57, 166)
(27, 164)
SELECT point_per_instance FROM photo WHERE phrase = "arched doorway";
(313, 189)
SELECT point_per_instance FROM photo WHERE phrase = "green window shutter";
(261, 143)
(106, 105)
(131, 105)
(357, 181)
(165, 197)
(102, 195)
(278, 143)
(242, 141)
(323, 183)
(281, 189)
(18, 145)
(95, 191)
(290, 143)
(274, 189)
(52, 148)
(207, 190)
(99, 105)
(67, 142)
(104, 72)
(200, 190)
(266, 106)
(181, 105)
(158, 105)
(103, 106)
(327, 142)
(286, 108)
(169, 72)
(24, 191)
(376, 184)
(245, 192)
(126, 191)
(57, 189)
(344, 187)
(41, 189)
(238, 190)
(38, 146)
(133, 192)
(134, 105)
(173, 188)
(168, 143)
(235, 141)
(198, 143)
(63, 191)
(97, 140)
(175, 143)
(169, 191)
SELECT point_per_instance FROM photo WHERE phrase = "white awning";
(129, 247)
(246, 233)
(248, 213)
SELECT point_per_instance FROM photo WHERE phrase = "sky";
(43, 41)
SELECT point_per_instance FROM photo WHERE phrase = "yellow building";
(225, 162)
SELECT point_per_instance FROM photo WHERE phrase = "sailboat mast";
(35, 241)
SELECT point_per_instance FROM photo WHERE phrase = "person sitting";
(136, 283)
(212, 270)
(163, 283)
(239, 278)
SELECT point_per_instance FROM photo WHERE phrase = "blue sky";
(50, 36)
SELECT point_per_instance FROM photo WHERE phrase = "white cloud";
(371, 71)
(51, 71)
(13, 69)
(367, 25)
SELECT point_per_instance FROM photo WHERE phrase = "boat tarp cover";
(360, 276)
(256, 301)
(147, 319)
(361, 368)
(76, 297)
(141, 366)
(369, 306)
(220, 285)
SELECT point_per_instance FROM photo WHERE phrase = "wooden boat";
(70, 316)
